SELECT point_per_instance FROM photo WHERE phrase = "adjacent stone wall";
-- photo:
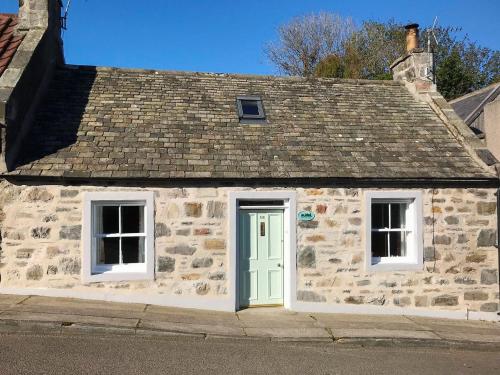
(41, 246)
(460, 257)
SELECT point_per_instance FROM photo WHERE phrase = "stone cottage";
(220, 191)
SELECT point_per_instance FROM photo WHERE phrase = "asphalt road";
(96, 354)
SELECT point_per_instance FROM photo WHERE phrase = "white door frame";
(289, 241)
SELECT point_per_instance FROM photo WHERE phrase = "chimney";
(26, 80)
(416, 67)
(43, 15)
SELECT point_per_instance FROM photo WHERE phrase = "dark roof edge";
(492, 182)
(492, 87)
(92, 68)
(480, 108)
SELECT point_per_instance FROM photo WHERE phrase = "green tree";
(319, 45)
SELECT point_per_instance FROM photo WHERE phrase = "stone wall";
(460, 257)
(41, 246)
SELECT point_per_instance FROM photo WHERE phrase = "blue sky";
(228, 35)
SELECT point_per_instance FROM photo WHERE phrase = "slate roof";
(470, 105)
(104, 122)
(9, 42)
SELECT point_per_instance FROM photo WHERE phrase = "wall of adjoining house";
(41, 246)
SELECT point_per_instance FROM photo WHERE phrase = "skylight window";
(250, 108)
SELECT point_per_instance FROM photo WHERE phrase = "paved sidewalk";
(66, 316)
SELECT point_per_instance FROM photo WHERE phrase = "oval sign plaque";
(306, 215)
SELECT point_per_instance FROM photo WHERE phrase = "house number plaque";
(306, 215)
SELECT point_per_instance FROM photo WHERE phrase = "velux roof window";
(250, 108)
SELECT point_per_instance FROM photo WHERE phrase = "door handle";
(280, 265)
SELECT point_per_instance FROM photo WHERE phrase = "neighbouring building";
(220, 191)
(480, 110)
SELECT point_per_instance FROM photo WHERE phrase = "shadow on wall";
(58, 117)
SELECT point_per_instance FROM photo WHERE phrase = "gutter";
(365, 182)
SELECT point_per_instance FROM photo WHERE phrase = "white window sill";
(117, 276)
(393, 266)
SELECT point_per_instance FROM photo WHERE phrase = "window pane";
(133, 249)
(380, 215)
(379, 244)
(107, 219)
(398, 244)
(250, 107)
(108, 251)
(132, 219)
(398, 215)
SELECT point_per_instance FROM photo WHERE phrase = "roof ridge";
(236, 75)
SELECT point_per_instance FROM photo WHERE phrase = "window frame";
(242, 116)
(414, 252)
(92, 272)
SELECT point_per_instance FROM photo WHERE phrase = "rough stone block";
(72, 232)
(215, 244)
(475, 258)
(40, 232)
(486, 208)
(442, 240)
(183, 232)
(489, 307)
(308, 224)
(445, 300)
(39, 195)
(451, 220)
(355, 300)
(165, 264)
(489, 276)
(487, 237)
(34, 272)
(202, 262)
(24, 253)
(202, 289)
(52, 270)
(70, 266)
(161, 230)
(321, 208)
(421, 301)
(307, 257)
(69, 193)
(475, 296)
(215, 210)
(202, 231)
(309, 296)
(219, 275)
(181, 250)
(192, 209)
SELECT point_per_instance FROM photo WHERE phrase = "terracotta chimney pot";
(412, 41)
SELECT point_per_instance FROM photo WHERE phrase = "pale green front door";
(260, 257)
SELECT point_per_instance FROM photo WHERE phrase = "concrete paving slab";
(274, 318)
(180, 317)
(192, 328)
(79, 303)
(347, 321)
(383, 333)
(195, 312)
(287, 332)
(106, 330)
(460, 336)
(76, 309)
(458, 326)
(7, 300)
(44, 317)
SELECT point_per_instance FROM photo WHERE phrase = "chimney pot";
(412, 41)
